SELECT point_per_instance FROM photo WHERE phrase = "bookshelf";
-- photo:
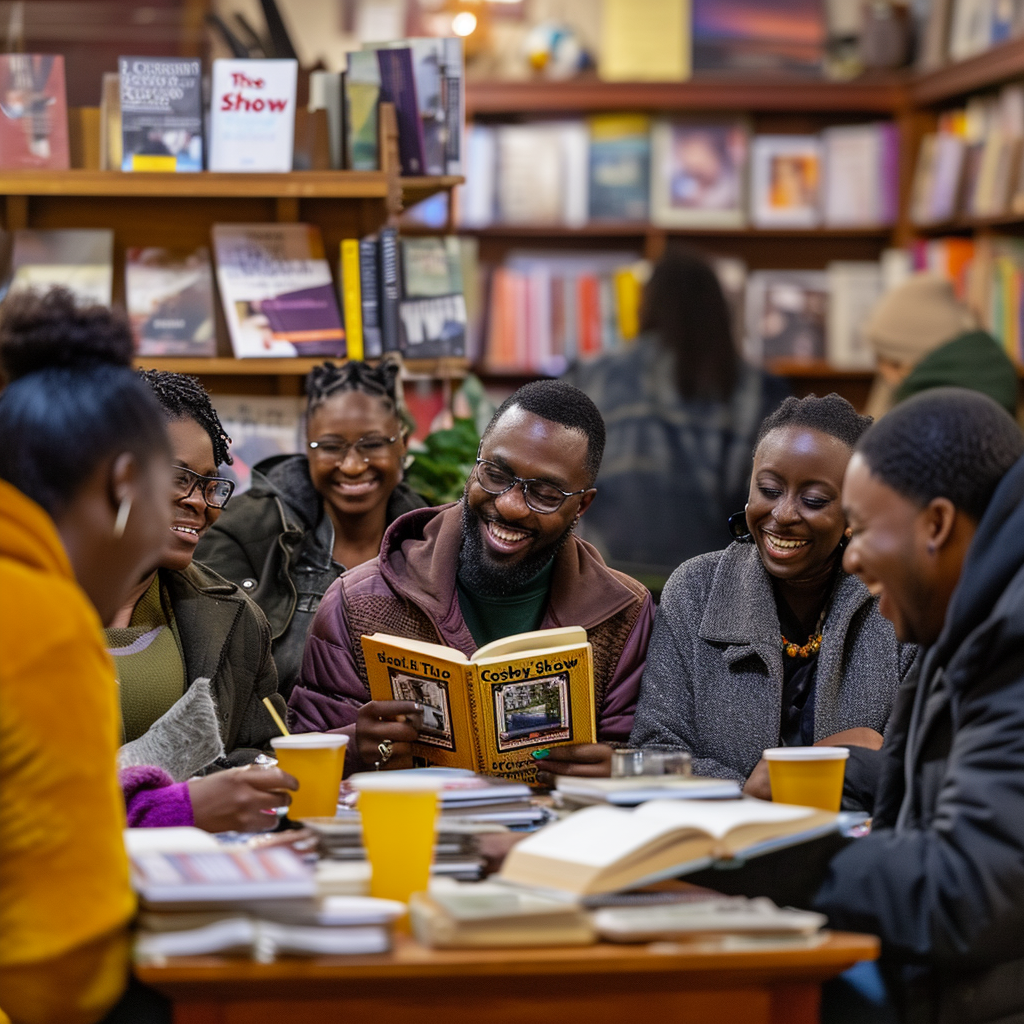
(912, 100)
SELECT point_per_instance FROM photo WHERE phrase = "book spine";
(369, 289)
(351, 299)
(398, 86)
(454, 105)
(389, 290)
(476, 725)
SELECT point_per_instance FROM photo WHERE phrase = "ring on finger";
(386, 748)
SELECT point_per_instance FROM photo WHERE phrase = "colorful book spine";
(351, 298)
(369, 289)
(398, 86)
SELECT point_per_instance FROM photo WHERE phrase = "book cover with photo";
(169, 295)
(432, 311)
(276, 288)
(362, 107)
(786, 181)
(699, 173)
(787, 312)
(751, 37)
(252, 115)
(81, 260)
(161, 114)
(33, 112)
(488, 712)
(620, 166)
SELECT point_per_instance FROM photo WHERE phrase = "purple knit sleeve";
(153, 799)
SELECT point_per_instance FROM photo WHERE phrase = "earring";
(123, 512)
(848, 533)
(931, 549)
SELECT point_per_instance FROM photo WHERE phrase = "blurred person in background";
(307, 518)
(924, 337)
(84, 513)
(681, 409)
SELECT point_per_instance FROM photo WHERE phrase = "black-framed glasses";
(366, 448)
(540, 495)
(216, 490)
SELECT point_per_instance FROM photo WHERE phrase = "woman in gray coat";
(769, 643)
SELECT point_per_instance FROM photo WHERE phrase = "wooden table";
(602, 984)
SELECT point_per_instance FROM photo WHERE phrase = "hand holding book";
(593, 760)
(385, 732)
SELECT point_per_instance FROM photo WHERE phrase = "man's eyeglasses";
(215, 489)
(366, 448)
(540, 495)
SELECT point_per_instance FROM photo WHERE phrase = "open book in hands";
(488, 712)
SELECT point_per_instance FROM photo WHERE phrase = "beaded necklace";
(813, 645)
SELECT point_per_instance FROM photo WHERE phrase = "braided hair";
(382, 381)
(184, 398)
(832, 415)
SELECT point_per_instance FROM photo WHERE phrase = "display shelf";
(204, 184)
(969, 225)
(636, 229)
(995, 66)
(417, 188)
(449, 368)
(883, 94)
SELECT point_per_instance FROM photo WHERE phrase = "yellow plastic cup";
(399, 813)
(317, 760)
(808, 776)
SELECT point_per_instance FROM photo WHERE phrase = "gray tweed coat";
(713, 681)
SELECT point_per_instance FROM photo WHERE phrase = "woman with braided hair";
(307, 518)
(193, 654)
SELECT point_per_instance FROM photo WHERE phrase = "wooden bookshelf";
(216, 366)
(876, 95)
(987, 70)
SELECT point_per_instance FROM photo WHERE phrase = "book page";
(719, 818)
(537, 640)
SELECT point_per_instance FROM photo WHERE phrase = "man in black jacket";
(935, 498)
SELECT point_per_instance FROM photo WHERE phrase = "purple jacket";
(409, 590)
(153, 799)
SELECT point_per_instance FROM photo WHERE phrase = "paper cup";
(399, 813)
(808, 776)
(317, 760)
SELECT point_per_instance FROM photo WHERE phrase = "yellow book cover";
(489, 712)
(645, 42)
(352, 298)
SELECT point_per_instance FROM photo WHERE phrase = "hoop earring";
(121, 522)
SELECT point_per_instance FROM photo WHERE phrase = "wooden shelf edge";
(417, 188)
(993, 67)
(780, 367)
(117, 184)
(217, 366)
(968, 224)
(882, 94)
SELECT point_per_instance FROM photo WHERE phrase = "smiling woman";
(769, 642)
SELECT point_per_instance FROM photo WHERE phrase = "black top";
(798, 675)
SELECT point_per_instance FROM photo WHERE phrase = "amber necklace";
(813, 645)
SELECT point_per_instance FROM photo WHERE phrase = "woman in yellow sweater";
(84, 512)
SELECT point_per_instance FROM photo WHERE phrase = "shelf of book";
(883, 94)
(436, 369)
(970, 225)
(993, 67)
(203, 184)
(639, 229)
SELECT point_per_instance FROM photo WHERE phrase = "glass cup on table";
(317, 760)
(399, 815)
(808, 776)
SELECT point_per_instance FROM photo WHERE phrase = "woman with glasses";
(307, 518)
(192, 652)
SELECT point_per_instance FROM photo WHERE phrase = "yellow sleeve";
(63, 869)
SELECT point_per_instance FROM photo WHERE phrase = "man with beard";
(503, 560)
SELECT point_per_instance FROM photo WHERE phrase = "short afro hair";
(832, 415)
(944, 443)
(184, 398)
(559, 402)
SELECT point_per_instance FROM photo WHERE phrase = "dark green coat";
(225, 638)
(276, 542)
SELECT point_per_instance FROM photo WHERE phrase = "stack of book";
(198, 896)
(970, 168)
(679, 173)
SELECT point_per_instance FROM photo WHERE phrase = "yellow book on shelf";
(627, 301)
(647, 41)
(352, 297)
(489, 712)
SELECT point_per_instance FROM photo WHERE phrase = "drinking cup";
(317, 760)
(399, 814)
(809, 776)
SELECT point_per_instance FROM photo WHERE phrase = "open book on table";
(606, 849)
(488, 712)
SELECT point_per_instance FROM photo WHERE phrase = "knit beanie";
(915, 318)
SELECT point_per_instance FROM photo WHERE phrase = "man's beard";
(479, 570)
